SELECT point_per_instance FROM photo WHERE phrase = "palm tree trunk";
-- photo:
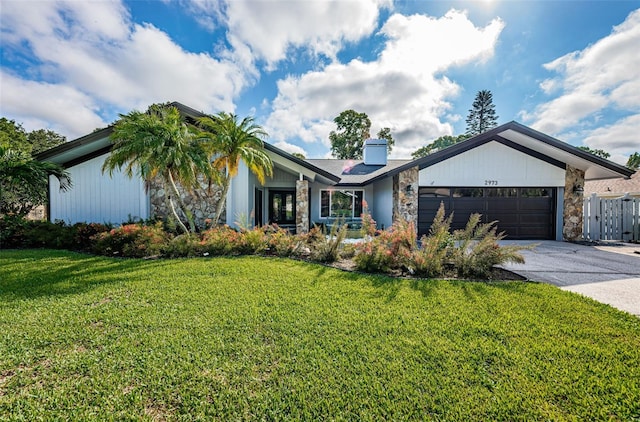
(169, 181)
(181, 203)
(223, 199)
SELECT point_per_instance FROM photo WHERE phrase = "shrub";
(477, 249)
(253, 241)
(326, 248)
(392, 249)
(84, 233)
(221, 240)
(184, 246)
(132, 240)
(430, 259)
(282, 243)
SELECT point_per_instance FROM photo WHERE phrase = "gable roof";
(535, 144)
(97, 143)
(355, 172)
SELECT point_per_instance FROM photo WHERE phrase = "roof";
(355, 172)
(535, 144)
(98, 143)
(614, 187)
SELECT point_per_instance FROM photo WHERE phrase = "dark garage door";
(522, 213)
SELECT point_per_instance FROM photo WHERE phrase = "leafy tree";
(24, 181)
(597, 152)
(13, 136)
(352, 130)
(159, 142)
(439, 144)
(229, 142)
(634, 161)
(482, 115)
(42, 140)
(299, 155)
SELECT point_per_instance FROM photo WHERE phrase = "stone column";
(573, 204)
(302, 206)
(405, 196)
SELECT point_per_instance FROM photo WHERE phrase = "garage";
(520, 212)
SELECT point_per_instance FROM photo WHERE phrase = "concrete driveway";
(609, 273)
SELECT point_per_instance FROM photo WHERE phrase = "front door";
(257, 200)
(282, 207)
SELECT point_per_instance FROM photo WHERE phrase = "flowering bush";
(282, 243)
(392, 249)
(131, 240)
(83, 234)
(221, 240)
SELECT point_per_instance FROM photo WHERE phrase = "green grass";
(92, 338)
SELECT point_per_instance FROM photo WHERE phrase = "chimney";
(375, 152)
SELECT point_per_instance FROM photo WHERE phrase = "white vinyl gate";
(612, 219)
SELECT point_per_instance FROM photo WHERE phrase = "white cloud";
(403, 89)
(35, 104)
(603, 76)
(270, 28)
(290, 148)
(93, 54)
(619, 139)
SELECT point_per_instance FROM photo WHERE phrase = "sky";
(570, 69)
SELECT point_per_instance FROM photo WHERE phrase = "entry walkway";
(608, 273)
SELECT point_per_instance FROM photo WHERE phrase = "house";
(529, 182)
(614, 188)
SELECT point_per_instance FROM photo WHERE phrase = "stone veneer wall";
(573, 205)
(405, 203)
(302, 206)
(202, 205)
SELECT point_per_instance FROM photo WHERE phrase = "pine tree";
(482, 115)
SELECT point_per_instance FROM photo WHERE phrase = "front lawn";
(94, 338)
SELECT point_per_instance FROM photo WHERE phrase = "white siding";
(98, 198)
(492, 164)
(238, 196)
(381, 205)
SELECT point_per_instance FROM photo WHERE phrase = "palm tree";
(24, 181)
(229, 143)
(160, 143)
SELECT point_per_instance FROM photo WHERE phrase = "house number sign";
(491, 183)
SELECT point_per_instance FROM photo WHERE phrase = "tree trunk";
(223, 199)
(181, 203)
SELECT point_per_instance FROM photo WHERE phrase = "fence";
(612, 219)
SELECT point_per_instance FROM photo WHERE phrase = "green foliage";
(13, 136)
(159, 142)
(24, 181)
(84, 233)
(634, 161)
(282, 243)
(438, 145)
(44, 139)
(327, 248)
(597, 152)
(17, 232)
(435, 249)
(221, 240)
(352, 130)
(390, 250)
(186, 245)
(94, 338)
(132, 241)
(482, 115)
(477, 249)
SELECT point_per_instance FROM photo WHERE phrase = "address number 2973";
(491, 183)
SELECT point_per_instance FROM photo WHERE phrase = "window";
(341, 203)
